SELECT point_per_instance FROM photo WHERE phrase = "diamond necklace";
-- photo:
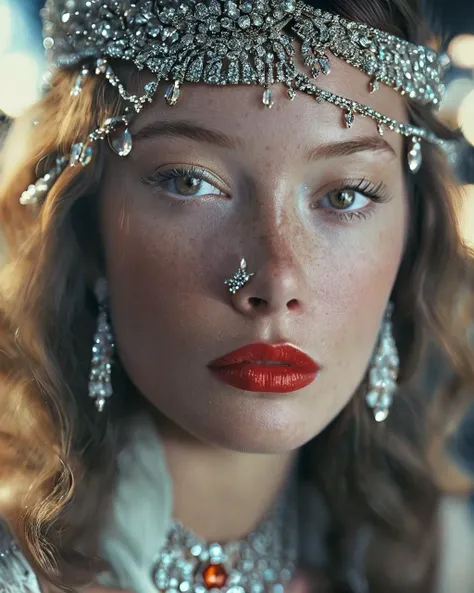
(263, 562)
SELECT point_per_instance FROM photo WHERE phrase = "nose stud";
(240, 278)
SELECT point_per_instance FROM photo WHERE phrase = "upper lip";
(264, 352)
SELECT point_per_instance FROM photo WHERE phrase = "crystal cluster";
(239, 279)
(40, 189)
(226, 42)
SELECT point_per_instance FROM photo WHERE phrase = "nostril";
(293, 304)
(256, 302)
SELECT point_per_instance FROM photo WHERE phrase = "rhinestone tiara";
(225, 42)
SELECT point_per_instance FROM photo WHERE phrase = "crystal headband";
(222, 42)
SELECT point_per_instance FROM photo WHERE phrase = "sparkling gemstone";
(215, 576)
(196, 550)
(415, 156)
(374, 85)
(122, 143)
(244, 22)
(386, 400)
(76, 153)
(86, 156)
(267, 98)
(349, 118)
(215, 550)
(372, 398)
(325, 66)
(380, 414)
(172, 93)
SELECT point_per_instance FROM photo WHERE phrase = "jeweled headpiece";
(224, 42)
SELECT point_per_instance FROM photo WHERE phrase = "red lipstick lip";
(246, 368)
(286, 354)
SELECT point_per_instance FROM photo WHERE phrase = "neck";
(221, 495)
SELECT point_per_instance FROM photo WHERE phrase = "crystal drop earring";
(383, 371)
(100, 385)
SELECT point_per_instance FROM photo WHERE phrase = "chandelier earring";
(100, 385)
(383, 371)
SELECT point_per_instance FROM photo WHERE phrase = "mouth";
(262, 367)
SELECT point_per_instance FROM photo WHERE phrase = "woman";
(258, 275)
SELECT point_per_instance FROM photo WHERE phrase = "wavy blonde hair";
(57, 456)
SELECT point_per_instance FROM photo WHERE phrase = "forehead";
(238, 110)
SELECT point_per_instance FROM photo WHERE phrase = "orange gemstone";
(215, 576)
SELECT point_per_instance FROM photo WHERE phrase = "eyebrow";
(186, 129)
(192, 131)
(349, 147)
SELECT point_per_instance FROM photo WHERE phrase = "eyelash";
(377, 193)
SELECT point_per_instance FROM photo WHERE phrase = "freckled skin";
(324, 282)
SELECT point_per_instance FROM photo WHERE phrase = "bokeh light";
(461, 51)
(466, 220)
(466, 117)
(22, 72)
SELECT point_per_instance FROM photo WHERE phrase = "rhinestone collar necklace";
(263, 562)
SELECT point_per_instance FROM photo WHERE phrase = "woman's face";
(220, 177)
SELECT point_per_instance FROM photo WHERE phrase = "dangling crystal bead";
(172, 93)
(86, 155)
(122, 143)
(349, 118)
(374, 85)
(267, 98)
(76, 152)
(78, 85)
(414, 155)
(380, 129)
(381, 414)
(291, 94)
(101, 66)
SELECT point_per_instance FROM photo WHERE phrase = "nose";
(276, 288)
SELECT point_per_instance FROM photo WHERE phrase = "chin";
(262, 426)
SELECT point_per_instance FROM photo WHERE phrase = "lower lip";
(265, 378)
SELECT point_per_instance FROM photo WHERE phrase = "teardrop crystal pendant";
(374, 86)
(172, 93)
(86, 155)
(267, 98)
(120, 141)
(414, 155)
(75, 155)
(349, 118)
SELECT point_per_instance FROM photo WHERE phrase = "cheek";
(358, 280)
